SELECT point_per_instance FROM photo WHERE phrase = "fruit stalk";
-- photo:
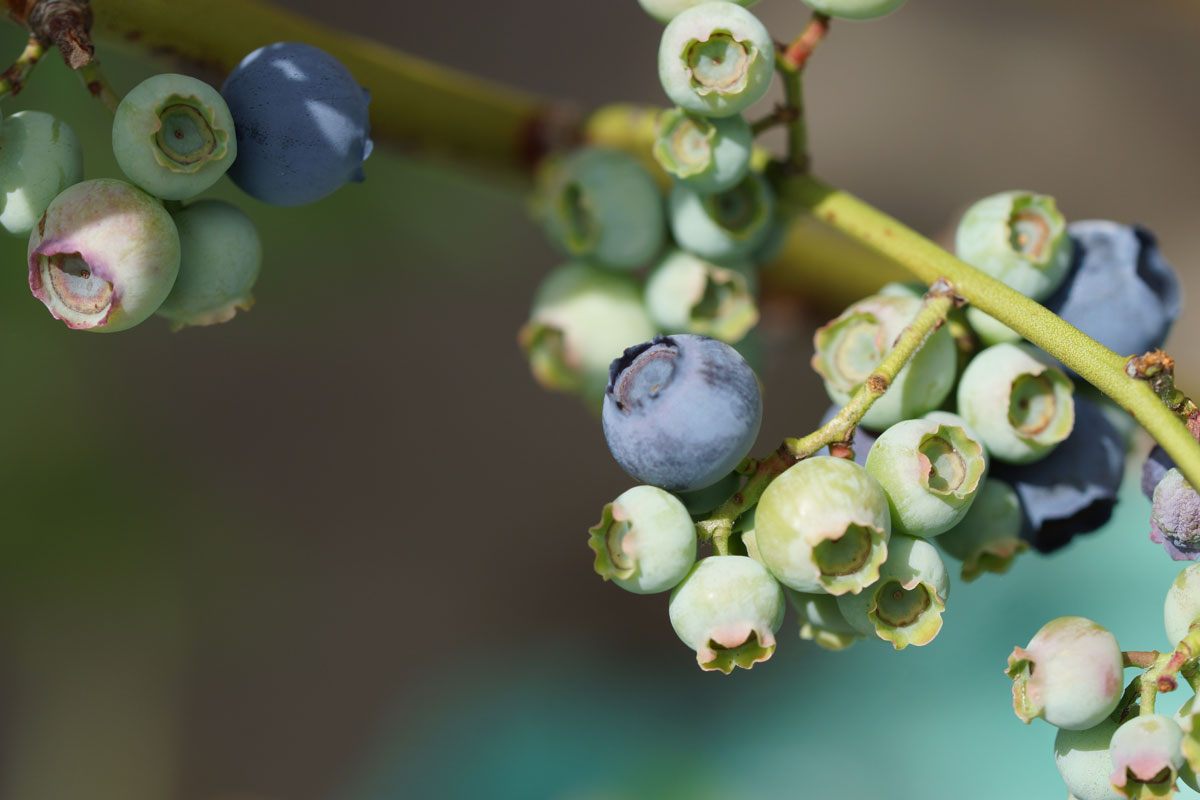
(1098, 365)
(13, 78)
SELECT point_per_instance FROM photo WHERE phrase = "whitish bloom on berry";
(728, 609)
(1182, 608)
(930, 472)
(1070, 674)
(104, 256)
(709, 154)
(686, 294)
(989, 537)
(1018, 402)
(1146, 757)
(852, 345)
(821, 620)
(823, 526)
(1084, 763)
(715, 59)
(906, 604)
(1175, 517)
(645, 541)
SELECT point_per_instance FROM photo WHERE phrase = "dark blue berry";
(1074, 489)
(301, 124)
(1157, 464)
(1120, 290)
(681, 411)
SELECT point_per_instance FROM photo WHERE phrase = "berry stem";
(1142, 659)
(789, 63)
(1098, 365)
(1153, 682)
(93, 78)
(13, 78)
(718, 527)
(803, 46)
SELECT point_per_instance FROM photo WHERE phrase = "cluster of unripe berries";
(1110, 743)
(289, 126)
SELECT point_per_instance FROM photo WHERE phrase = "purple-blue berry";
(301, 122)
(1175, 517)
(1156, 465)
(681, 411)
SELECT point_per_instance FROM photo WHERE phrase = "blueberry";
(1120, 290)
(301, 124)
(855, 9)
(1146, 753)
(681, 411)
(1074, 489)
(1084, 763)
(1175, 517)
(707, 154)
(40, 156)
(1157, 464)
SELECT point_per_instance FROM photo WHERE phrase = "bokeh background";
(336, 548)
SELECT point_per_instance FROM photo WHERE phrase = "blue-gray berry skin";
(1157, 464)
(301, 124)
(681, 411)
(1175, 517)
(1074, 489)
(1119, 290)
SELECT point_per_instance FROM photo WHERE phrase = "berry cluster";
(289, 126)
(967, 436)
(1111, 744)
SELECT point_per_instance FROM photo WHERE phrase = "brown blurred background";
(240, 562)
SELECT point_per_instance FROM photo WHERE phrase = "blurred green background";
(336, 547)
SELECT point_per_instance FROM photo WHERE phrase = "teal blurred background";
(335, 548)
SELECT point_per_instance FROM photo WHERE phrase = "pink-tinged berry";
(1070, 674)
(1146, 755)
(104, 256)
(645, 541)
(728, 609)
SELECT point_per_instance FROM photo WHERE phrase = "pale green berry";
(1017, 401)
(930, 472)
(583, 317)
(686, 294)
(855, 9)
(645, 541)
(1182, 607)
(40, 156)
(1084, 763)
(715, 59)
(728, 609)
(989, 537)
(666, 10)
(1146, 755)
(821, 620)
(1070, 674)
(1019, 238)
(851, 346)
(220, 257)
(104, 256)
(1189, 724)
(725, 226)
(173, 136)
(906, 604)
(707, 154)
(702, 501)
(989, 329)
(823, 526)
(601, 206)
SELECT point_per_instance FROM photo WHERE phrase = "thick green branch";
(1098, 365)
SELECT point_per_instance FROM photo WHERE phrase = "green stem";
(1152, 684)
(1098, 365)
(93, 78)
(13, 78)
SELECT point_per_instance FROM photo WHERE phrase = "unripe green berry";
(821, 620)
(1084, 763)
(702, 501)
(583, 317)
(1146, 755)
(989, 537)
(725, 226)
(104, 256)
(728, 609)
(855, 9)
(715, 59)
(220, 254)
(645, 541)
(823, 526)
(852, 345)
(930, 472)
(686, 294)
(1017, 401)
(601, 206)
(1182, 607)
(707, 154)
(906, 604)
(1019, 238)
(173, 136)
(40, 156)
(1070, 674)
(666, 10)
